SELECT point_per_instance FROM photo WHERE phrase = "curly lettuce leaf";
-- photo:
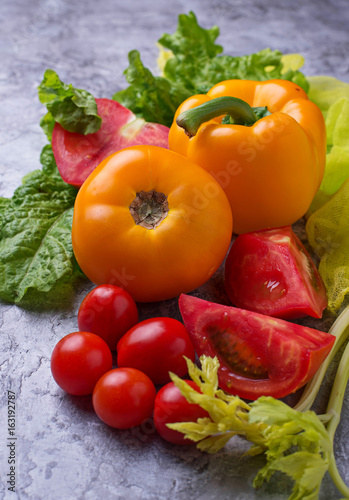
(74, 109)
(192, 63)
(328, 222)
(294, 443)
(327, 231)
(332, 97)
(36, 253)
(326, 90)
(152, 97)
(198, 65)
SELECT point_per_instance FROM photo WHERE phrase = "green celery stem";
(239, 110)
(335, 407)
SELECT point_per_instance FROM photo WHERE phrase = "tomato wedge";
(77, 155)
(271, 272)
(259, 355)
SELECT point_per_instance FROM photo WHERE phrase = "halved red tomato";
(271, 272)
(77, 155)
(259, 355)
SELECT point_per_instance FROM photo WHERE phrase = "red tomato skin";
(156, 346)
(78, 361)
(170, 407)
(77, 155)
(124, 398)
(270, 272)
(287, 355)
(108, 311)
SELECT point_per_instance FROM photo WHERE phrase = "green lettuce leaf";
(195, 64)
(36, 253)
(326, 90)
(3, 203)
(328, 216)
(327, 231)
(152, 97)
(332, 97)
(198, 65)
(74, 109)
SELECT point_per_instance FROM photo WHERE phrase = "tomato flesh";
(171, 407)
(271, 272)
(77, 155)
(156, 346)
(259, 355)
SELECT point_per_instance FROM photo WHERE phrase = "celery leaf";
(296, 444)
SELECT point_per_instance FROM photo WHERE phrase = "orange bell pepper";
(265, 145)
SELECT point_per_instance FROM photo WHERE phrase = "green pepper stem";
(239, 110)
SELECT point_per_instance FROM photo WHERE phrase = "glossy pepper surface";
(266, 147)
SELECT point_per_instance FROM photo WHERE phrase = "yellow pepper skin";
(270, 170)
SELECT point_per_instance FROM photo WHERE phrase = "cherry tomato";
(156, 346)
(108, 311)
(170, 407)
(259, 355)
(78, 361)
(124, 398)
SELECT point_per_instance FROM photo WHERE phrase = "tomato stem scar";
(149, 208)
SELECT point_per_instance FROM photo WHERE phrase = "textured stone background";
(63, 450)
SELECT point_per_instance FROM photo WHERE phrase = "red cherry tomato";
(78, 361)
(124, 398)
(108, 311)
(156, 346)
(170, 407)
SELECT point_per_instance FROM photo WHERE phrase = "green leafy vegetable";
(327, 231)
(74, 109)
(295, 443)
(152, 97)
(198, 65)
(332, 97)
(35, 234)
(36, 253)
(327, 227)
(194, 67)
(326, 90)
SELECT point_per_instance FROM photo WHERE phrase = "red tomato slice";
(271, 272)
(77, 155)
(259, 355)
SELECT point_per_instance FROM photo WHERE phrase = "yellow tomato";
(152, 222)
